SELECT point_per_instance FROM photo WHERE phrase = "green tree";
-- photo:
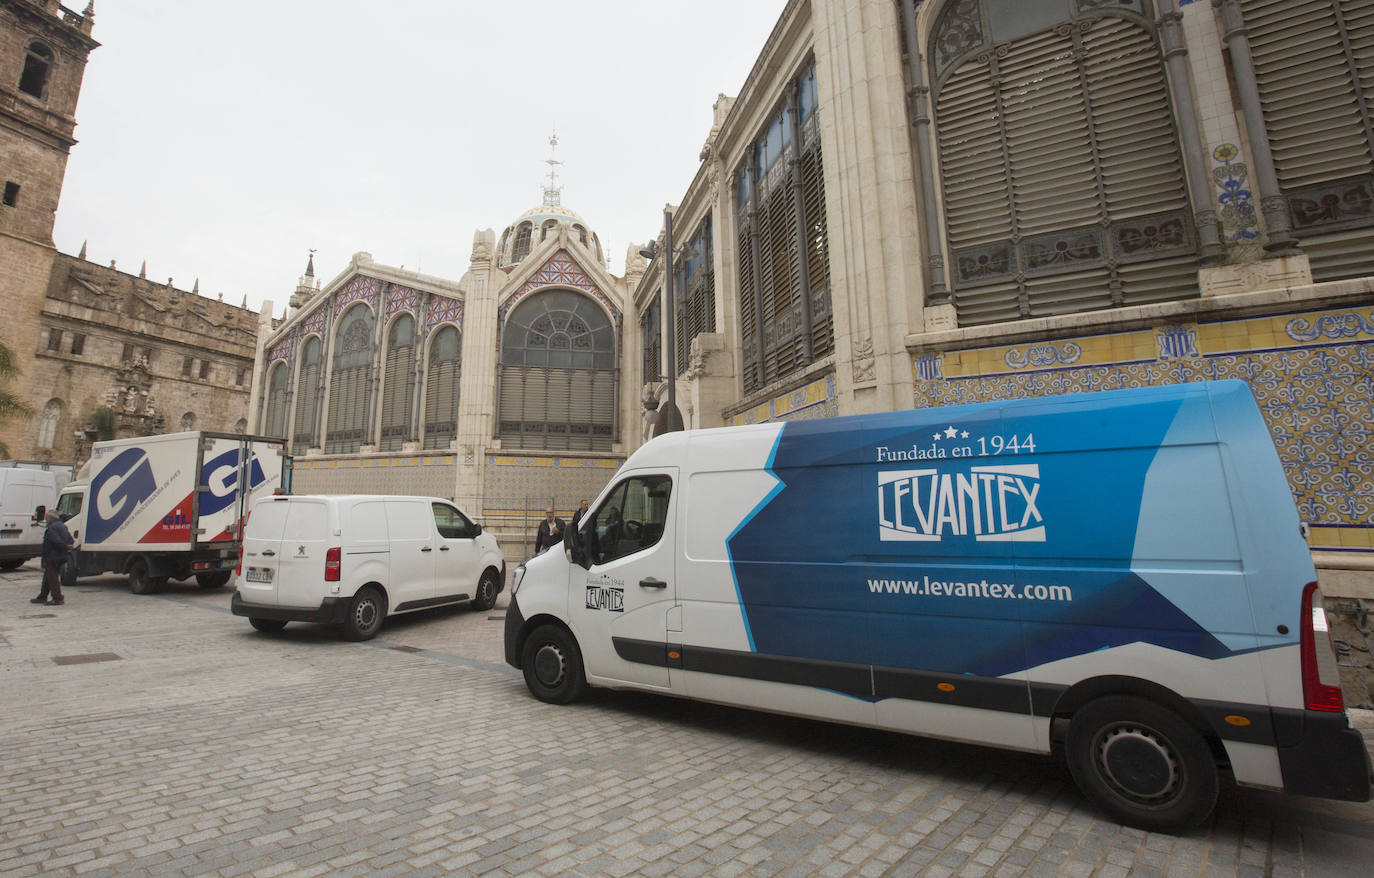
(10, 405)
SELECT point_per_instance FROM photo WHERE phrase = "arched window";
(47, 423)
(581, 233)
(784, 262)
(558, 375)
(1312, 60)
(303, 434)
(188, 422)
(350, 383)
(548, 226)
(1059, 162)
(441, 387)
(398, 383)
(37, 67)
(274, 424)
(522, 242)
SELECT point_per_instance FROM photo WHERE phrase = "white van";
(351, 560)
(26, 495)
(1120, 577)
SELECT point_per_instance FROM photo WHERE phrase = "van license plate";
(259, 574)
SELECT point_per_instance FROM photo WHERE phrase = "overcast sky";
(223, 141)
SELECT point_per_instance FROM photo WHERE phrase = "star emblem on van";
(950, 432)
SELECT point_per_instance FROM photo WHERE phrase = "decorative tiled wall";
(516, 484)
(814, 400)
(428, 475)
(1312, 374)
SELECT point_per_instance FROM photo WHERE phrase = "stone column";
(478, 388)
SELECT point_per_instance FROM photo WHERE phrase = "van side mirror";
(476, 529)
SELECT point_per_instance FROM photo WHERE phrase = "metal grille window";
(350, 382)
(695, 286)
(398, 383)
(441, 387)
(274, 423)
(1314, 63)
(784, 267)
(308, 397)
(651, 330)
(558, 375)
(522, 242)
(1062, 178)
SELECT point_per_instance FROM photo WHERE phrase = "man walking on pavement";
(550, 531)
(57, 543)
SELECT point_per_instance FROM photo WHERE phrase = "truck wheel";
(486, 592)
(270, 626)
(139, 580)
(67, 575)
(12, 563)
(365, 615)
(553, 665)
(1142, 763)
(212, 580)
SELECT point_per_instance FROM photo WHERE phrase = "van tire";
(486, 592)
(1142, 763)
(139, 580)
(267, 626)
(67, 575)
(218, 579)
(553, 665)
(365, 615)
(12, 563)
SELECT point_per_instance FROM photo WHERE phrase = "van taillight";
(331, 565)
(1321, 679)
(238, 568)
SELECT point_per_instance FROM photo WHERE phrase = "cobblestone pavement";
(161, 735)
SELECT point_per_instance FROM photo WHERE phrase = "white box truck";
(170, 506)
(1119, 577)
(25, 497)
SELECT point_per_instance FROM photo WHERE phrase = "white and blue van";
(1118, 576)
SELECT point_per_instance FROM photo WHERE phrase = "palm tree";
(10, 405)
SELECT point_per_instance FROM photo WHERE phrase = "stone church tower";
(43, 52)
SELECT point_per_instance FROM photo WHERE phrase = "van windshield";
(68, 505)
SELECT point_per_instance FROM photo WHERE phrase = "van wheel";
(553, 665)
(12, 563)
(486, 592)
(269, 626)
(212, 580)
(140, 582)
(1142, 763)
(67, 575)
(365, 615)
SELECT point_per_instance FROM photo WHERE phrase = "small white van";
(25, 497)
(352, 560)
(1119, 577)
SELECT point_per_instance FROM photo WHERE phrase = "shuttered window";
(350, 382)
(1314, 62)
(308, 397)
(522, 242)
(651, 330)
(398, 383)
(274, 424)
(783, 244)
(1060, 167)
(441, 387)
(558, 377)
(694, 291)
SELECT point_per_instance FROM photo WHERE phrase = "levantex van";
(1119, 575)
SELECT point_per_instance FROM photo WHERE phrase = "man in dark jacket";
(57, 544)
(550, 531)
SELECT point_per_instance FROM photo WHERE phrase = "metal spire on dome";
(553, 193)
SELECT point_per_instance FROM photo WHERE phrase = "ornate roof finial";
(82, 254)
(553, 192)
(310, 265)
(143, 272)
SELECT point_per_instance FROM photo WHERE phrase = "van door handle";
(443, 548)
(427, 549)
(267, 553)
(652, 583)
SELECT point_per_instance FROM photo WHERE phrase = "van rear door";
(300, 561)
(257, 581)
(619, 606)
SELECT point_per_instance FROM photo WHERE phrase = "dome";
(534, 225)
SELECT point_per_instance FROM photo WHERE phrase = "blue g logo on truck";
(221, 475)
(116, 492)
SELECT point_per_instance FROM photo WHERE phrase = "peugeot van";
(26, 495)
(1119, 577)
(352, 560)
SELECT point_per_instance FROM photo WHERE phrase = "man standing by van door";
(550, 531)
(572, 545)
(57, 543)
